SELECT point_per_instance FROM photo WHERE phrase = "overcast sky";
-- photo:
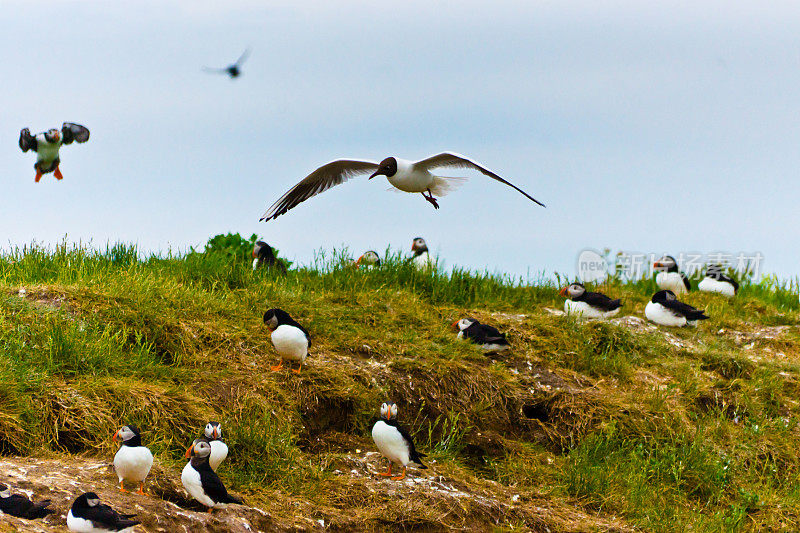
(643, 126)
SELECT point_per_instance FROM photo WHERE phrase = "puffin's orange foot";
(122, 486)
(401, 476)
(276, 368)
(386, 474)
(57, 174)
(210, 510)
(38, 176)
(296, 371)
(141, 490)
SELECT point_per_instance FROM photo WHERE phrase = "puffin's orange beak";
(189, 452)
(454, 325)
(657, 264)
(563, 292)
(254, 253)
(358, 261)
(216, 433)
(115, 436)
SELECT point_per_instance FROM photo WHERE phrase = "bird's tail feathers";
(445, 184)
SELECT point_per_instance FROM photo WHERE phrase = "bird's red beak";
(563, 292)
(115, 436)
(657, 264)
(216, 433)
(454, 325)
(189, 452)
(254, 253)
(358, 261)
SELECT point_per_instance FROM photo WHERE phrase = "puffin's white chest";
(194, 486)
(290, 343)
(390, 443)
(423, 261)
(133, 463)
(584, 310)
(671, 281)
(46, 151)
(219, 451)
(409, 179)
(714, 285)
(659, 314)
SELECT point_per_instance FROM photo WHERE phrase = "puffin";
(290, 339)
(234, 70)
(422, 258)
(669, 277)
(88, 515)
(212, 434)
(485, 336)
(22, 507)
(403, 175)
(586, 304)
(264, 255)
(394, 442)
(47, 144)
(201, 482)
(369, 259)
(718, 282)
(133, 461)
(665, 310)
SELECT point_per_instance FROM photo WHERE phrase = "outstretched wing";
(243, 57)
(453, 160)
(322, 179)
(27, 141)
(74, 132)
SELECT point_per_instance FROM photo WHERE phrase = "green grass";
(604, 420)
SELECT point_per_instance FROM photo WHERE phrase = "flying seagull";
(407, 176)
(235, 70)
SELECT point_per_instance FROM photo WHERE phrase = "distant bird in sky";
(406, 176)
(234, 70)
(48, 143)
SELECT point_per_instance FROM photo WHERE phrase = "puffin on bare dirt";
(47, 145)
(403, 175)
(201, 482)
(21, 506)
(133, 461)
(88, 515)
(394, 442)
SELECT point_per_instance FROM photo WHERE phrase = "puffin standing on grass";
(586, 304)
(212, 434)
(133, 461)
(716, 281)
(88, 515)
(264, 255)
(665, 309)
(394, 442)
(47, 144)
(290, 339)
(669, 277)
(422, 258)
(485, 336)
(201, 482)
(20, 506)
(406, 176)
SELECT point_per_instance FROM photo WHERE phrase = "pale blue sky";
(669, 127)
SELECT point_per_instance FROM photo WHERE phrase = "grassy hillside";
(595, 426)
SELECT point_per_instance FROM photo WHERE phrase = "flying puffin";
(201, 482)
(483, 335)
(586, 304)
(212, 434)
(394, 442)
(20, 506)
(47, 144)
(422, 258)
(665, 309)
(88, 515)
(669, 277)
(406, 176)
(717, 281)
(290, 339)
(133, 461)
(234, 70)
(369, 259)
(264, 255)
